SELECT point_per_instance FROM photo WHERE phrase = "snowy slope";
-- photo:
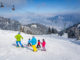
(58, 48)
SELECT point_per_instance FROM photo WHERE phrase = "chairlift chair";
(2, 5)
(13, 8)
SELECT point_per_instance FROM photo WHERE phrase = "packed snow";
(58, 48)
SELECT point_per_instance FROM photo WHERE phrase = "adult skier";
(18, 39)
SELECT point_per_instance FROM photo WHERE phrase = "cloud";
(28, 17)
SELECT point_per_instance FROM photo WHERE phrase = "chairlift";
(13, 8)
(2, 5)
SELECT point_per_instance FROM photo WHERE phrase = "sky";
(27, 11)
(40, 6)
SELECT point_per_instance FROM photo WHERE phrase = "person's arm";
(15, 36)
(21, 37)
(45, 42)
(30, 41)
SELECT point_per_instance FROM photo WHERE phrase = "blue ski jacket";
(33, 41)
(29, 41)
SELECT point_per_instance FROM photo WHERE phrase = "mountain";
(35, 28)
(59, 21)
(74, 31)
(8, 24)
(66, 17)
(65, 20)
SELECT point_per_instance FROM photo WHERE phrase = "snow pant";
(34, 48)
(43, 49)
(38, 46)
(19, 43)
(29, 44)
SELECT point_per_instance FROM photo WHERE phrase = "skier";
(38, 45)
(43, 45)
(29, 42)
(18, 39)
(33, 42)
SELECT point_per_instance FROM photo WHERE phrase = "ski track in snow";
(58, 48)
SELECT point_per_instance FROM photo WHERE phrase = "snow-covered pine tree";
(49, 30)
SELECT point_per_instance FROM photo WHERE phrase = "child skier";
(29, 42)
(33, 42)
(18, 39)
(38, 45)
(43, 45)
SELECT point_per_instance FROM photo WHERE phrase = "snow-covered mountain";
(8, 24)
(35, 28)
(59, 21)
(65, 19)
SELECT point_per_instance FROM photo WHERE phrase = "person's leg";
(17, 44)
(43, 49)
(28, 44)
(37, 46)
(34, 48)
(20, 43)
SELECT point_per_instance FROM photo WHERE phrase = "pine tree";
(49, 30)
(53, 30)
